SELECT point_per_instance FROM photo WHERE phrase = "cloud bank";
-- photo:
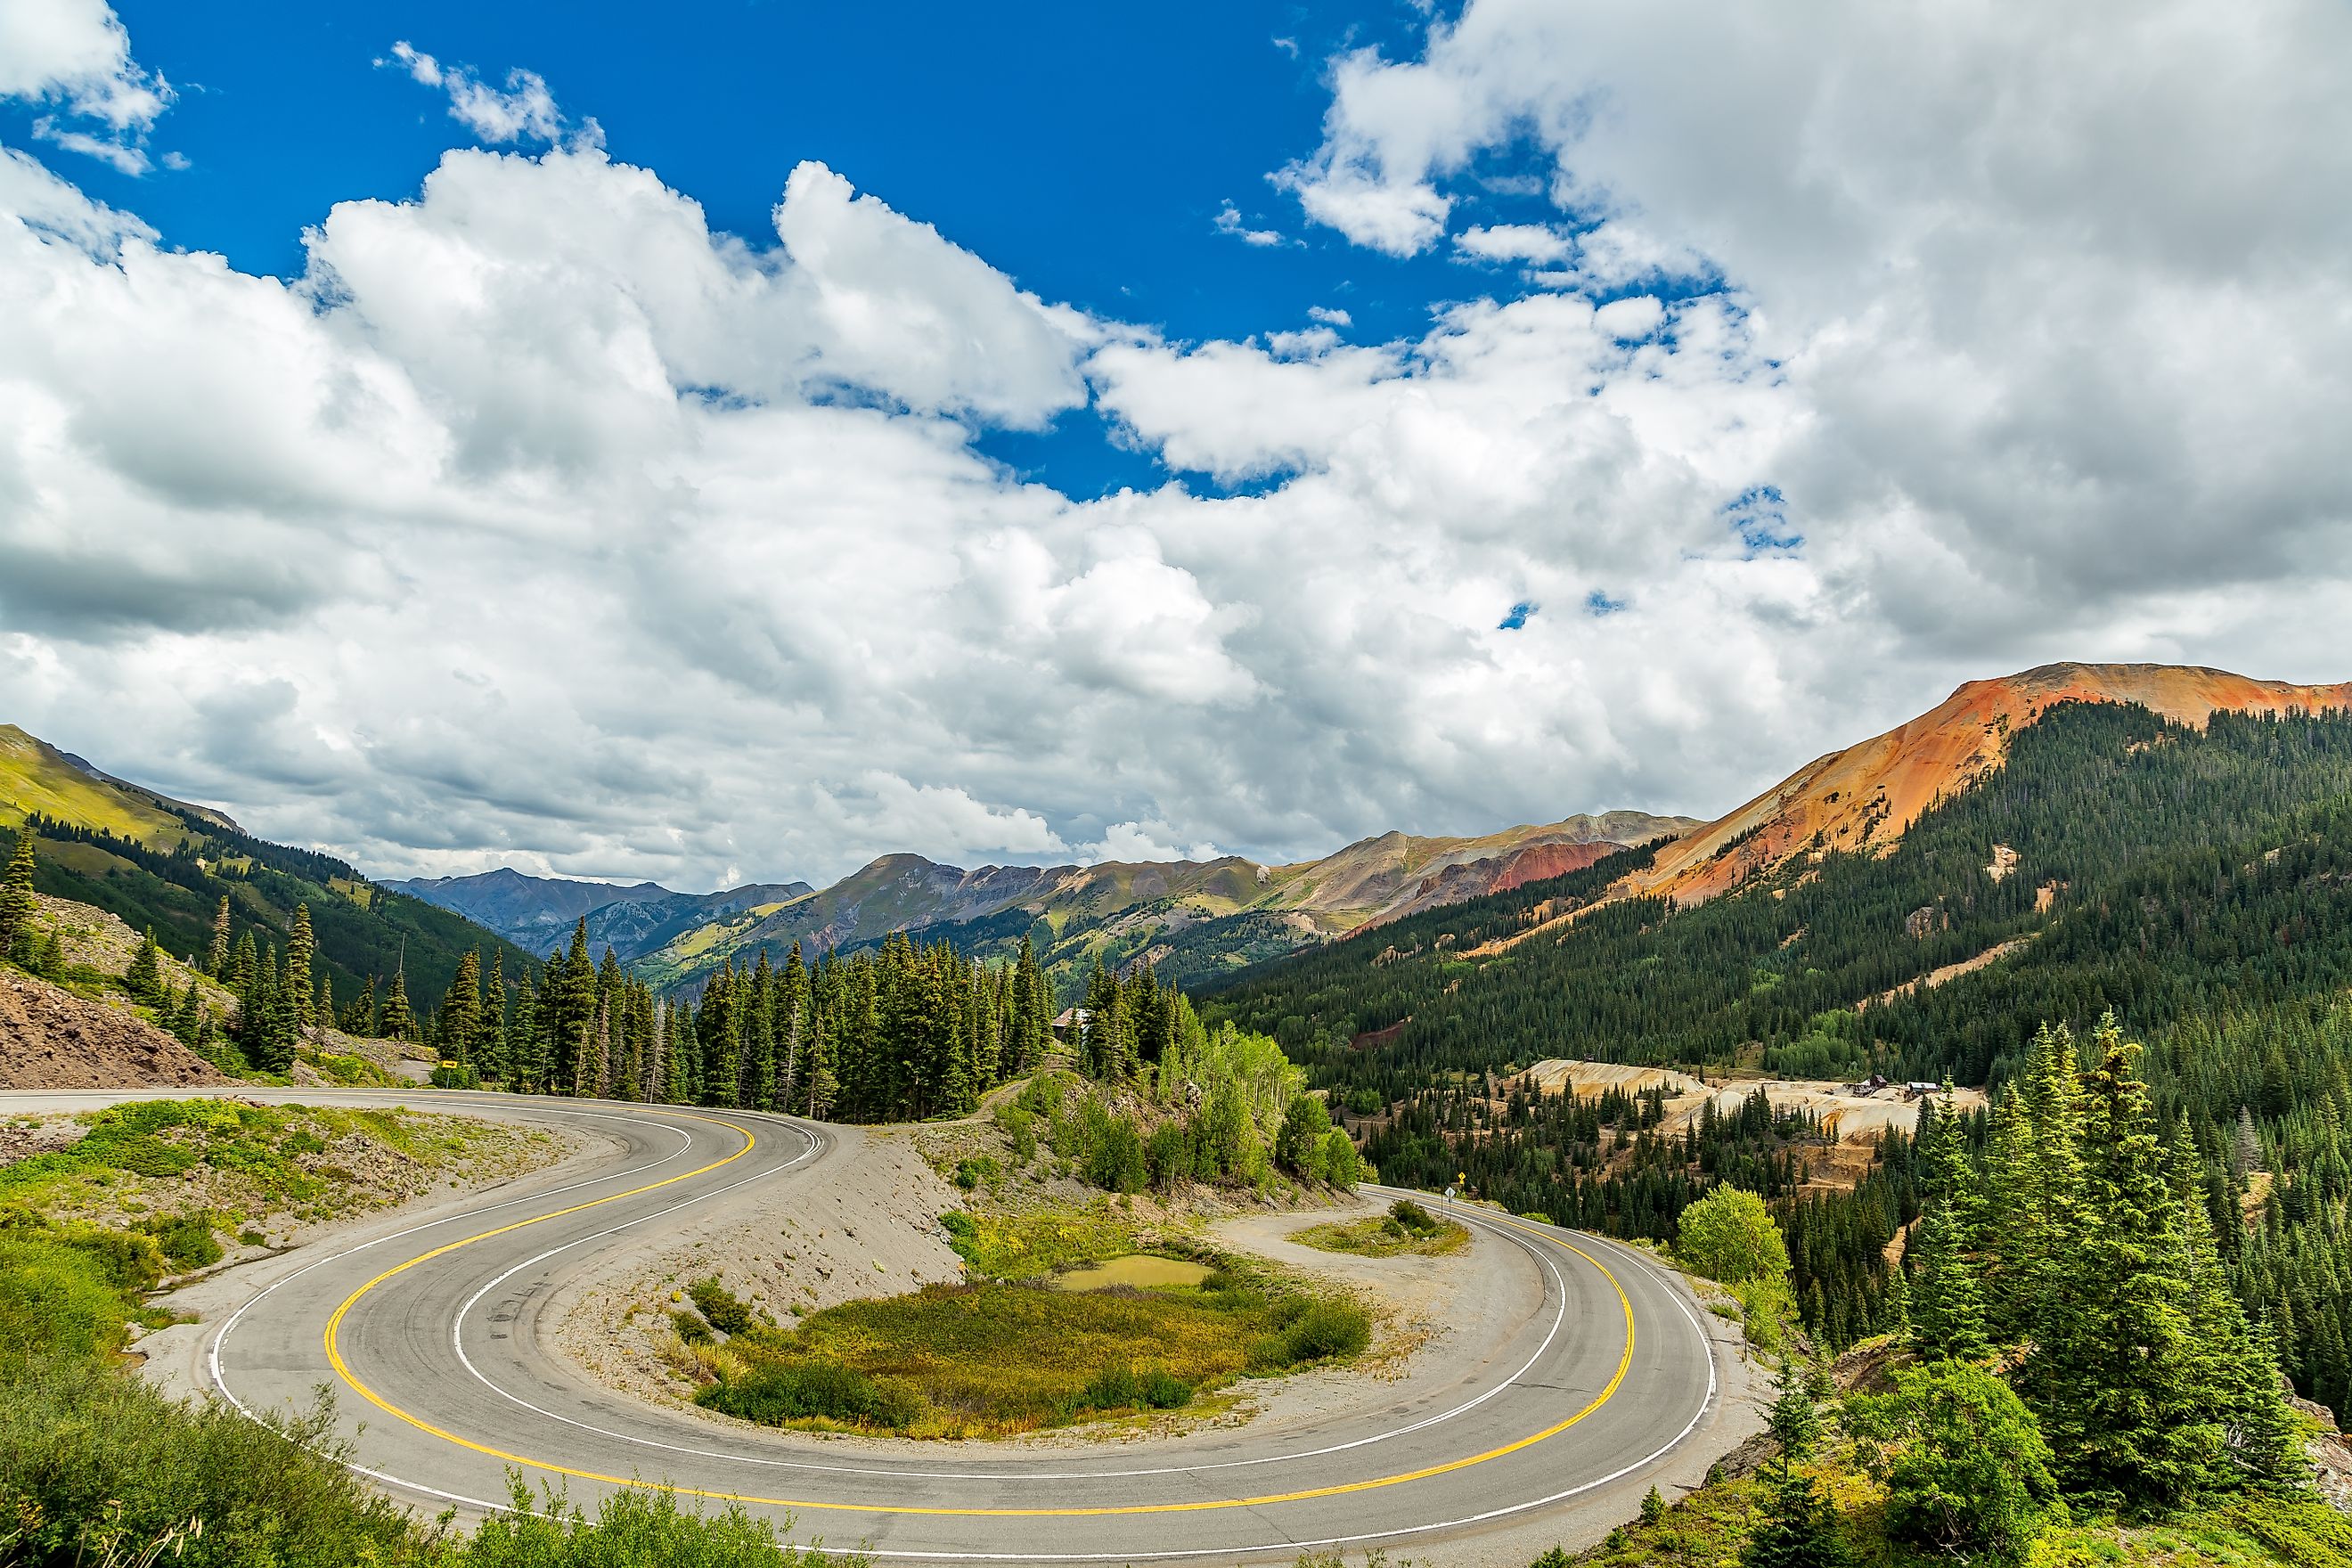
(1864, 350)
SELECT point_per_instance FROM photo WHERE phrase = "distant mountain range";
(540, 913)
(1192, 918)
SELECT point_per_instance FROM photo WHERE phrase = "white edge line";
(1674, 1294)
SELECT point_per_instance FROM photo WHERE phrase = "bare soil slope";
(51, 1038)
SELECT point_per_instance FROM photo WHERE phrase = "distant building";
(1073, 1021)
(1868, 1086)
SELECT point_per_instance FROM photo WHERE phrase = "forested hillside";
(2147, 867)
(164, 864)
(2196, 883)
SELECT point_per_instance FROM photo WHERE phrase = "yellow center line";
(335, 1359)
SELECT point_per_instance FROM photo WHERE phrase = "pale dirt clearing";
(862, 1222)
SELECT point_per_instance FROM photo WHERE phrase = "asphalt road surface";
(436, 1337)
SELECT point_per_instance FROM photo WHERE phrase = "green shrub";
(691, 1328)
(1413, 1220)
(92, 1460)
(1327, 1329)
(1168, 1154)
(2303, 1531)
(1119, 1387)
(971, 1173)
(775, 1392)
(1163, 1390)
(56, 1302)
(1114, 1151)
(632, 1527)
(725, 1311)
(1112, 1388)
(1298, 1147)
(962, 1235)
(1730, 1236)
(144, 1154)
(187, 1239)
(1965, 1470)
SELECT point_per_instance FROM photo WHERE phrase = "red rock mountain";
(1868, 793)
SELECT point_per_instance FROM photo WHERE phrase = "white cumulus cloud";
(534, 520)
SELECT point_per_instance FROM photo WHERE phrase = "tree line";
(902, 1032)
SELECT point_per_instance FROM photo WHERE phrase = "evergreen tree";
(2114, 1375)
(1946, 1305)
(398, 1023)
(145, 978)
(17, 901)
(301, 949)
(460, 1015)
(17, 904)
(243, 966)
(490, 1033)
(1796, 1527)
(216, 953)
(526, 1063)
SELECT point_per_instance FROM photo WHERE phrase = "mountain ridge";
(1869, 793)
(1118, 911)
(632, 918)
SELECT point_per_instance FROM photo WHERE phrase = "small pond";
(1137, 1270)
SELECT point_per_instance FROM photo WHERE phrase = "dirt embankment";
(866, 1223)
(51, 1038)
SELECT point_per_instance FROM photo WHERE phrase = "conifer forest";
(2196, 884)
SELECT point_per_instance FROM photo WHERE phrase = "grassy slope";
(34, 778)
(362, 930)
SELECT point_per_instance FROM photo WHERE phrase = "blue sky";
(1717, 385)
(1084, 150)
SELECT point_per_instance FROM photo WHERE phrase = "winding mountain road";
(435, 1334)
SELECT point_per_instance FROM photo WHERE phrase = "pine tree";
(526, 1065)
(301, 947)
(792, 1025)
(145, 978)
(398, 1022)
(244, 967)
(17, 904)
(2245, 1145)
(490, 1031)
(216, 953)
(1946, 1306)
(1797, 1528)
(461, 1012)
(2114, 1375)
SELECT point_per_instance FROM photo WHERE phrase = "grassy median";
(1407, 1228)
(995, 1358)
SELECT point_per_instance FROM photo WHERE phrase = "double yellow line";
(343, 1370)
